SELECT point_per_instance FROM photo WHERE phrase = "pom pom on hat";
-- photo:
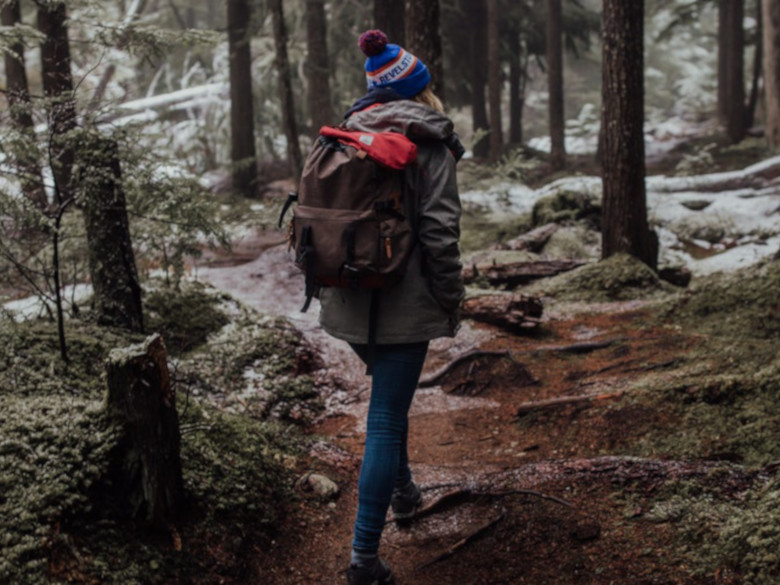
(372, 42)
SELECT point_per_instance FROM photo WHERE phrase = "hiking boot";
(376, 573)
(405, 501)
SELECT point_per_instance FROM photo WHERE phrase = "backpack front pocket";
(344, 244)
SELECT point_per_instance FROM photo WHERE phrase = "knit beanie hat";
(391, 66)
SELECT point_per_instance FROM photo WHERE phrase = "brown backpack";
(352, 226)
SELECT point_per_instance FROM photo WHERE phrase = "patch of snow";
(34, 306)
(574, 144)
(735, 258)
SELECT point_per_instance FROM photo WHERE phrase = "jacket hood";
(414, 120)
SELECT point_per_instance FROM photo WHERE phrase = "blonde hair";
(430, 99)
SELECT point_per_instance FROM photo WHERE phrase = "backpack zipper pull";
(388, 248)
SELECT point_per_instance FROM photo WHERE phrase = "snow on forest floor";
(744, 220)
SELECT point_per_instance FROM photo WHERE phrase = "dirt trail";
(478, 450)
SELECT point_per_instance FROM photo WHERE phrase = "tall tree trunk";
(723, 56)
(18, 96)
(624, 221)
(555, 84)
(111, 259)
(758, 62)
(317, 66)
(423, 38)
(494, 79)
(771, 42)
(389, 17)
(516, 100)
(285, 89)
(477, 14)
(735, 76)
(58, 88)
(242, 116)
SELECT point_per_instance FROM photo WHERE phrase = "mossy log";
(141, 399)
(517, 273)
(511, 312)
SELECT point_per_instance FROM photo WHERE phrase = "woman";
(423, 306)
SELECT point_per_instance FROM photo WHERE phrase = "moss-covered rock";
(575, 241)
(565, 205)
(481, 230)
(620, 277)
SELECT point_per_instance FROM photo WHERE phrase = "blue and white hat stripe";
(398, 68)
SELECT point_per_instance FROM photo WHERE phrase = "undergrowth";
(61, 519)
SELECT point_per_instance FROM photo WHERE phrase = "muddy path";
(523, 493)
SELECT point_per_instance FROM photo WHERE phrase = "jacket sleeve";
(438, 226)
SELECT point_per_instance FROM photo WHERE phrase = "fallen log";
(551, 403)
(515, 274)
(513, 313)
(757, 176)
(532, 241)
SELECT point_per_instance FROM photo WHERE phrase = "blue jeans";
(385, 459)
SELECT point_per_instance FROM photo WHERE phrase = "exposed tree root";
(463, 541)
(473, 356)
(462, 495)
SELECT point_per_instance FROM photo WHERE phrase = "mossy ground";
(727, 404)
(61, 522)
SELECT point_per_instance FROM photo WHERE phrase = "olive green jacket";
(424, 305)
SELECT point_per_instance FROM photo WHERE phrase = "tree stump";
(141, 399)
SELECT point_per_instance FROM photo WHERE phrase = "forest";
(609, 410)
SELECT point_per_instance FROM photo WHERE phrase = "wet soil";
(556, 495)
